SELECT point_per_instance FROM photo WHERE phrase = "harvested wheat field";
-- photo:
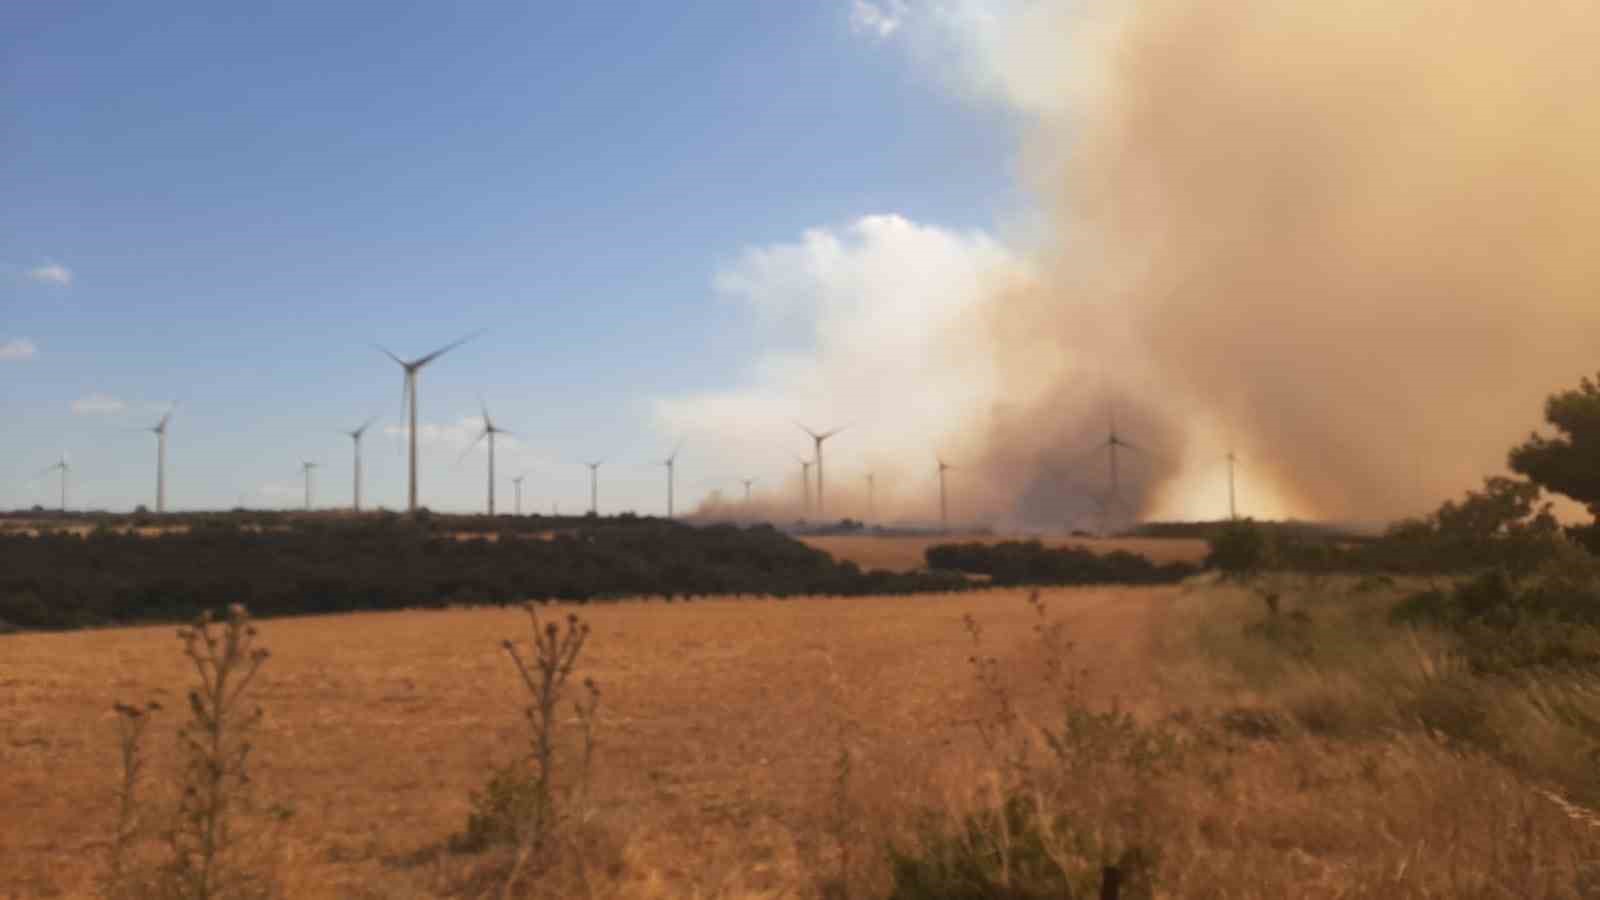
(904, 553)
(771, 749)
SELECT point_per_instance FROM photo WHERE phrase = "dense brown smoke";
(1355, 240)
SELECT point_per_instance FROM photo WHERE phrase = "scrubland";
(998, 743)
(907, 552)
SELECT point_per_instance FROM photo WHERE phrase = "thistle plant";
(215, 748)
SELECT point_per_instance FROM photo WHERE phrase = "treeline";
(1013, 563)
(1504, 526)
(309, 565)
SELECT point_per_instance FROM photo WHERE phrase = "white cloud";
(51, 273)
(97, 405)
(896, 315)
(17, 350)
(878, 18)
(457, 436)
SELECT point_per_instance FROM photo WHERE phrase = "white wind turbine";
(355, 436)
(160, 431)
(489, 431)
(408, 406)
(517, 483)
(944, 510)
(817, 438)
(747, 483)
(594, 485)
(805, 485)
(671, 463)
(307, 468)
(64, 467)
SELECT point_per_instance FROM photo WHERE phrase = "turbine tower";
(517, 483)
(408, 406)
(355, 437)
(1233, 510)
(817, 438)
(805, 485)
(594, 486)
(489, 431)
(1113, 444)
(160, 431)
(307, 467)
(747, 483)
(64, 468)
(944, 509)
(671, 462)
(872, 507)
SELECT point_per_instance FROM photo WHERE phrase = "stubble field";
(774, 749)
(718, 732)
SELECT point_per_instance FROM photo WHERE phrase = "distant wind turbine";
(944, 509)
(747, 483)
(805, 485)
(160, 431)
(517, 483)
(408, 406)
(1233, 510)
(817, 438)
(355, 437)
(489, 431)
(594, 485)
(308, 467)
(64, 467)
(671, 462)
(872, 508)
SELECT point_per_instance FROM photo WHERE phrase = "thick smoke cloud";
(1352, 241)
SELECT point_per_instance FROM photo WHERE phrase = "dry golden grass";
(720, 728)
(904, 553)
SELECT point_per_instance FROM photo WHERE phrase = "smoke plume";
(1351, 241)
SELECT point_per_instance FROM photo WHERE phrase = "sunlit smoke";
(1351, 242)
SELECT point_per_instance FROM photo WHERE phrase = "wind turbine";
(1233, 510)
(517, 483)
(408, 404)
(64, 467)
(489, 431)
(944, 510)
(872, 507)
(805, 485)
(747, 483)
(307, 467)
(817, 438)
(1112, 444)
(160, 431)
(355, 436)
(594, 485)
(671, 462)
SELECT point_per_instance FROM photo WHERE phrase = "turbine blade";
(389, 354)
(473, 446)
(447, 348)
(804, 428)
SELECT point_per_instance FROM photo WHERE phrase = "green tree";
(1569, 462)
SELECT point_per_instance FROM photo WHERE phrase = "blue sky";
(227, 208)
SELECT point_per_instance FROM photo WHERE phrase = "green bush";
(1240, 549)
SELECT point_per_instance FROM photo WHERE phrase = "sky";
(229, 209)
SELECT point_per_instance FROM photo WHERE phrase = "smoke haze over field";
(1353, 241)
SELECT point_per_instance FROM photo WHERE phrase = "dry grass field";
(904, 553)
(721, 731)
